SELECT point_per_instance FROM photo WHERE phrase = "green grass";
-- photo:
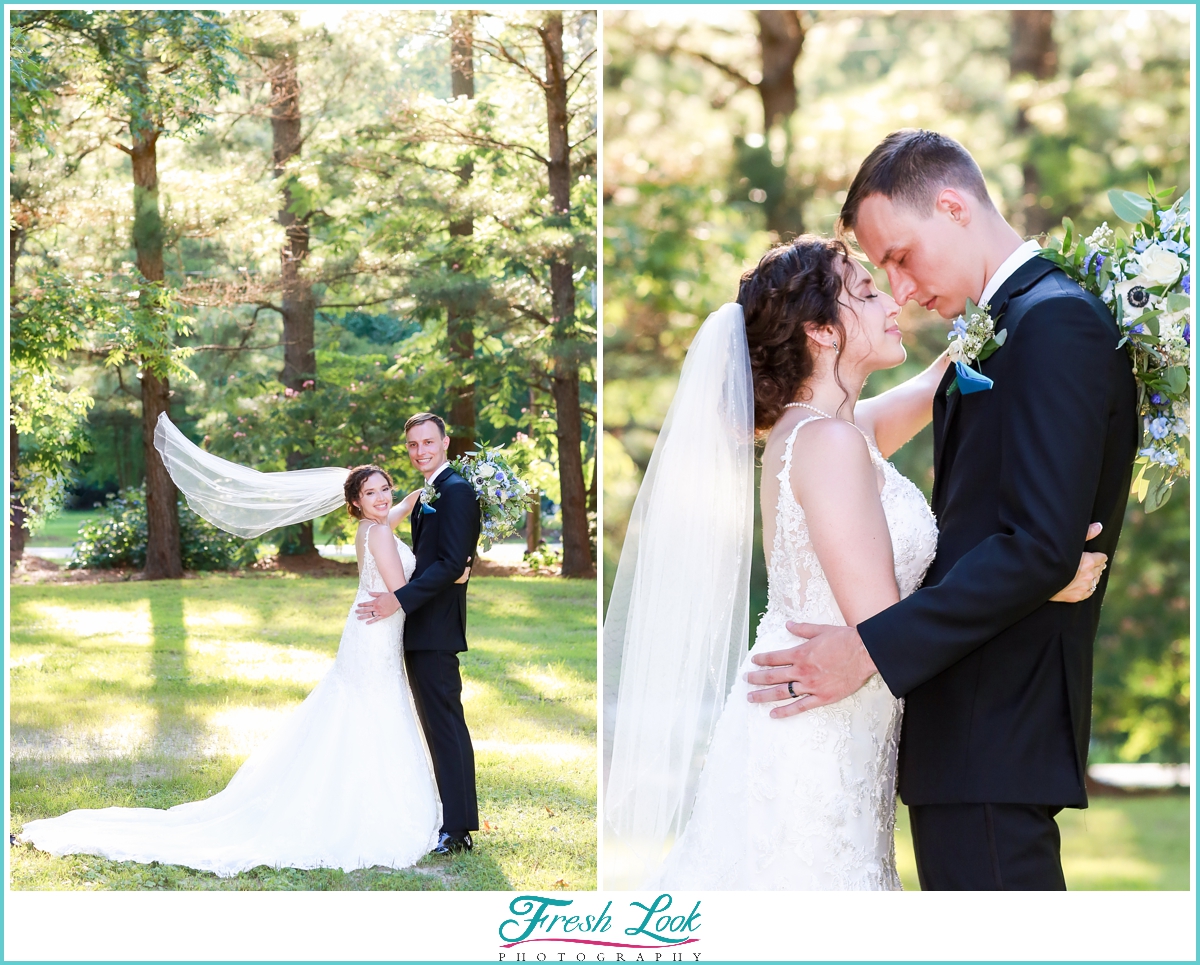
(152, 694)
(1116, 844)
(61, 529)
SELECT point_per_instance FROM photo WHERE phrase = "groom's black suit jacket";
(435, 607)
(997, 681)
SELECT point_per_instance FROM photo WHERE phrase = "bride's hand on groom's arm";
(830, 665)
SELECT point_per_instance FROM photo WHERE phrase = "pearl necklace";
(794, 405)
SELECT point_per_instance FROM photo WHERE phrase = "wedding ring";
(791, 691)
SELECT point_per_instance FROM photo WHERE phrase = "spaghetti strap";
(788, 446)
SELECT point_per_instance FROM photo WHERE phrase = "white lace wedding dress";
(804, 803)
(346, 782)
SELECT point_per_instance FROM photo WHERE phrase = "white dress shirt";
(1007, 267)
(443, 468)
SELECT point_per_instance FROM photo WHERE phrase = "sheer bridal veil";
(678, 618)
(241, 500)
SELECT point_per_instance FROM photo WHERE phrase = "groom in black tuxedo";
(997, 680)
(445, 534)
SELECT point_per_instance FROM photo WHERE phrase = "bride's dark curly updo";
(794, 287)
(354, 484)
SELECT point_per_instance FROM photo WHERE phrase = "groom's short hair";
(910, 167)
(421, 417)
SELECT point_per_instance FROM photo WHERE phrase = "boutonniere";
(429, 496)
(973, 338)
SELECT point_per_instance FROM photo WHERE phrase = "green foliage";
(157, 69)
(142, 324)
(48, 322)
(116, 537)
(32, 84)
(379, 183)
(1142, 701)
(352, 415)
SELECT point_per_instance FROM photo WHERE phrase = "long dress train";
(346, 782)
(804, 803)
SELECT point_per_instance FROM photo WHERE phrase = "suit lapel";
(944, 406)
(418, 518)
(1019, 282)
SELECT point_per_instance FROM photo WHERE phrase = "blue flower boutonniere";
(973, 338)
(429, 496)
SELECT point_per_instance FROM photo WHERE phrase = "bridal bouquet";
(503, 495)
(1144, 277)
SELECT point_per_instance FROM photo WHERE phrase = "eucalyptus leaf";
(1129, 206)
(1177, 379)
(1150, 320)
(1157, 496)
(1178, 302)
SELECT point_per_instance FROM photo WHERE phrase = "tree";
(762, 162)
(1033, 55)
(559, 81)
(460, 323)
(152, 71)
(48, 322)
(297, 302)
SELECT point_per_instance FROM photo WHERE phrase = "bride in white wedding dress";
(346, 782)
(708, 793)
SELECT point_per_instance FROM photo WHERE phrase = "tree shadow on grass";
(169, 671)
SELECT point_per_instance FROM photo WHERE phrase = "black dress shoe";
(453, 843)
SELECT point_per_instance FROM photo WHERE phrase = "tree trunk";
(164, 560)
(577, 551)
(1033, 53)
(299, 309)
(16, 511)
(460, 323)
(163, 552)
(533, 522)
(780, 39)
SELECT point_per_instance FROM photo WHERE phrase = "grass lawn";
(61, 529)
(152, 694)
(1116, 844)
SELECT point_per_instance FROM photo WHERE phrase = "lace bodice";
(369, 579)
(806, 802)
(797, 587)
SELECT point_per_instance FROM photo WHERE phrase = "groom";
(997, 681)
(435, 623)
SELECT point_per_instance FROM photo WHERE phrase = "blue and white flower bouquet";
(1144, 277)
(503, 494)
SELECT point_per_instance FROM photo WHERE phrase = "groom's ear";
(954, 204)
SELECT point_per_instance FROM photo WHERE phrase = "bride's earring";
(835, 348)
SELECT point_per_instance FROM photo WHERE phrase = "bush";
(117, 537)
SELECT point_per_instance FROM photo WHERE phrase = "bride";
(706, 792)
(346, 782)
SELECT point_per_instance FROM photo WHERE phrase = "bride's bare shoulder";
(828, 449)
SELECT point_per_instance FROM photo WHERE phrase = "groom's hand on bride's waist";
(382, 605)
(830, 665)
